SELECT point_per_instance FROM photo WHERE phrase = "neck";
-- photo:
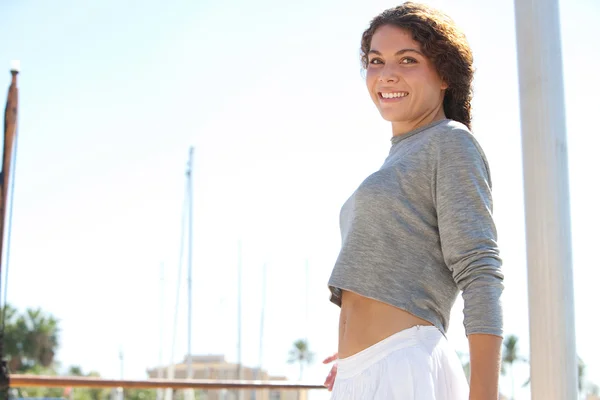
(402, 127)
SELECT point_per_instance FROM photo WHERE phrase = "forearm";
(485, 352)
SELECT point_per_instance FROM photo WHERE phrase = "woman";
(420, 229)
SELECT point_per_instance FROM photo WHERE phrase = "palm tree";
(75, 370)
(31, 339)
(580, 374)
(300, 354)
(41, 341)
(13, 336)
(510, 355)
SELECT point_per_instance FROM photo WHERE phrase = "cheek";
(435, 81)
(424, 84)
(371, 80)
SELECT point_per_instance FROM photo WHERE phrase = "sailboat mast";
(239, 339)
(306, 302)
(262, 317)
(186, 217)
(190, 373)
(160, 393)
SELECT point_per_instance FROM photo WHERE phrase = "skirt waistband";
(356, 363)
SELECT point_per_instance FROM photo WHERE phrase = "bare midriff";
(364, 322)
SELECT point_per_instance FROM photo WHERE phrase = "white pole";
(306, 287)
(119, 391)
(121, 363)
(189, 393)
(240, 394)
(547, 208)
(161, 298)
(262, 317)
(184, 218)
(258, 370)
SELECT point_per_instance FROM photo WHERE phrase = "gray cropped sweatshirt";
(420, 230)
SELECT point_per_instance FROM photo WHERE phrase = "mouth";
(392, 95)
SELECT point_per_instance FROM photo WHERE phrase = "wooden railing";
(76, 381)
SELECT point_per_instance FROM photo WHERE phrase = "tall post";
(239, 324)
(262, 316)
(186, 217)
(121, 363)
(119, 395)
(10, 132)
(306, 287)
(547, 208)
(190, 373)
(258, 371)
(160, 393)
(8, 159)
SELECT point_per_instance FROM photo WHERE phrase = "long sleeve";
(463, 200)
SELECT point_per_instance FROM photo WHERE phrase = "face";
(402, 82)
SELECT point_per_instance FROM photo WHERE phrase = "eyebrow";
(398, 53)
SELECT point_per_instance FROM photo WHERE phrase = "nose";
(388, 74)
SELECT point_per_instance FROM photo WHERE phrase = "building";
(215, 367)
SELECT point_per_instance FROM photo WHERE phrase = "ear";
(444, 85)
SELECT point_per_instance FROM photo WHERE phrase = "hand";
(331, 377)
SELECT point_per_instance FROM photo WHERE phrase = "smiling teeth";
(394, 95)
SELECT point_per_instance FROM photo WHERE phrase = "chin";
(391, 116)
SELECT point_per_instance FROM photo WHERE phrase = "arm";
(469, 244)
(485, 351)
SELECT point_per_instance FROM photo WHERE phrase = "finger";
(331, 376)
(328, 379)
(330, 358)
(330, 385)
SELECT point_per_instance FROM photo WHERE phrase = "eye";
(408, 60)
(376, 61)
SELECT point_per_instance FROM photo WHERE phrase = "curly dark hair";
(443, 43)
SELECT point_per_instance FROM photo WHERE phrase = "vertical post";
(239, 346)
(186, 217)
(258, 373)
(258, 369)
(121, 363)
(262, 316)
(119, 395)
(306, 286)
(189, 394)
(160, 393)
(8, 159)
(10, 132)
(547, 208)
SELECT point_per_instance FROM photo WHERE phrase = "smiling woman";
(404, 84)
(443, 48)
(420, 229)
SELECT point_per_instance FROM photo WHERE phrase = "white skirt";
(414, 364)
